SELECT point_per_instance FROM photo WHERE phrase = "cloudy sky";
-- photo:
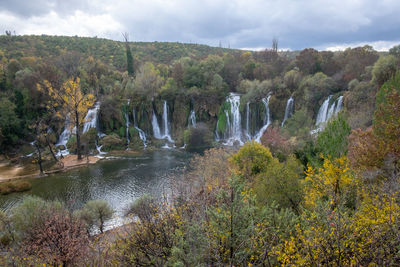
(251, 24)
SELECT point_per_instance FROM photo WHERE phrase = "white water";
(142, 135)
(326, 112)
(248, 134)
(166, 126)
(127, 122)
(192, 119)
(323, 112)
(288, 110)
(64, 137)
(267, 120)
(100, 153)
(166, 123)
(234, 127)
(156, 127)
(91, 118)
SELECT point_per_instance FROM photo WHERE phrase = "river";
(119, 181)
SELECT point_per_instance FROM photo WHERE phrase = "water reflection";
(118, 181)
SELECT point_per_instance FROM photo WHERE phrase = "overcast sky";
(251, 24)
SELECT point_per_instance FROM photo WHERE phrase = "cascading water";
(248, 134)
(327, 111)
(91, 118)
(323, 112)
(166, 125)
(64, 137)
(127, 122)
(233, 128)
(267, 120)
(142, 135)
(339, 105)
(156, 127)
(288, 110)
(192, 119)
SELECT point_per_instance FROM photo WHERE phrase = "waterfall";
(127, 122)
(64, 137)
(267, 120)
(166, 123)
(66, 134)
(192, 119)
(91, 118)
(234, 127)
(142, 135)
(156, 127)
(339, 105)
(288, 110)
(248, 134)
(100, 153)
(323, 112)
(326, 112)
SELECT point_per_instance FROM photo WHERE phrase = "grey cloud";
(251, 23)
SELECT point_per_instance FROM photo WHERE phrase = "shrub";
(15, 186)
(198, 138)
(111, 142)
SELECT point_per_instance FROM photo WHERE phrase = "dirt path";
(10, 171)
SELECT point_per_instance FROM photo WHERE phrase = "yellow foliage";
(333, 180)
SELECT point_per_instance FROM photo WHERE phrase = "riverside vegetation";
(293, 198)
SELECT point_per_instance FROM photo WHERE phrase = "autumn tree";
(59, 240)
(71, 99)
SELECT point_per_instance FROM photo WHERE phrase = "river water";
(119, 181)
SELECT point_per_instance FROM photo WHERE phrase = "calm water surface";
(119, 181)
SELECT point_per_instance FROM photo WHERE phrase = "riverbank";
(10, 171)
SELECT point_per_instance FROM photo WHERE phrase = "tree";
(96, 212)
(129, 58)
(332, 141)
(252, 159)
(70, 97)
(59, 240)
(384, 68)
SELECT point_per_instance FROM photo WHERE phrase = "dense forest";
(320, 187)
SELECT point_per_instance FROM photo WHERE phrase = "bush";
(113, 142)
(95, 213)
(198, 138)
(16, 186)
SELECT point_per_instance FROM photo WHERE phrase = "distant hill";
(108, 51)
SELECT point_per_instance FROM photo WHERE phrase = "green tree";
(129, 58)
(9, 122)
(281, 184)
(332, 141)
(384, 68)
(95, 213)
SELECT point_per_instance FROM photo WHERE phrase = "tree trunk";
(78, 137)
(39, 157)
(51, 150)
